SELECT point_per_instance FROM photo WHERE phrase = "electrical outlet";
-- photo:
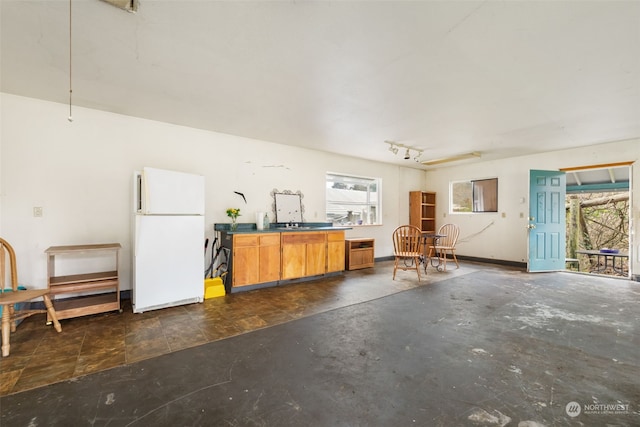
(37, 211)
(504, 214)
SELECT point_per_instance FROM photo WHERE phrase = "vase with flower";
(233, 213)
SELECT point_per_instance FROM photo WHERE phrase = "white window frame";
(365, 212)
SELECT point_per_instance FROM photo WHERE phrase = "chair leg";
(12, 313)
(417, 263)
(432, 253)
(395, 267)
(6, 330)
(453, 253)
(52, 313)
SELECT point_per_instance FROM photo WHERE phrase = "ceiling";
(612, 178)
(504, 78)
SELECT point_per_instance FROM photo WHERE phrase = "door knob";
(531, 226)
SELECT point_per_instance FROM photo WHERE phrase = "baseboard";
(517, 264)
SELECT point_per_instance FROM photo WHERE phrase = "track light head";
(407, 155)
(392, 147)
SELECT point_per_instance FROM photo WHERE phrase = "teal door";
(547, 216)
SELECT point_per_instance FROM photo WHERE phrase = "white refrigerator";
(168, 239)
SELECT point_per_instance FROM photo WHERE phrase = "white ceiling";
(505, 78)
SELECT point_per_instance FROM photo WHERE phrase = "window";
(480, 195)
(353, 200)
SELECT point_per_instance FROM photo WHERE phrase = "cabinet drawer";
(335, 236)
(301, 238)
(245, 240)
(269, 239)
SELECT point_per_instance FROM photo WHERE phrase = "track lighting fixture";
(395, 146)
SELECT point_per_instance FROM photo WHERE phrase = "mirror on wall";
(287, 206)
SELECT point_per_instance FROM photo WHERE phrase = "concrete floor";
(479, 346)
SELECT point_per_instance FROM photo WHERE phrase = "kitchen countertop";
(249, 228)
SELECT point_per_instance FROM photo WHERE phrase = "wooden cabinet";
(359, 253)
(303, 254)
(335, 251)
(256, 258)
(104, 286)
(262, 258)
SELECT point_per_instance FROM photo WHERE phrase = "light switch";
(37, 211)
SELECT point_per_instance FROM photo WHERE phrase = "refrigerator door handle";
(139, 193)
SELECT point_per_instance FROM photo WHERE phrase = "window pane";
(461, 196)
(485, 195)
(352, 200)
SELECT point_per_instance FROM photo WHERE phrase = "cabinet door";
(316, 258)
(269, 257)
(303, 254)
(246, 256)
(335, 251)
(293, 260)
(362, 257)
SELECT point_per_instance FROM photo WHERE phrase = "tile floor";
(40, 356)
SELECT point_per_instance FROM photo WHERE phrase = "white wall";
(490, 235)
(80, 173)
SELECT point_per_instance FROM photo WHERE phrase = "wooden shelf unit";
(84, 305)
(359, 253)
(422, 212)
